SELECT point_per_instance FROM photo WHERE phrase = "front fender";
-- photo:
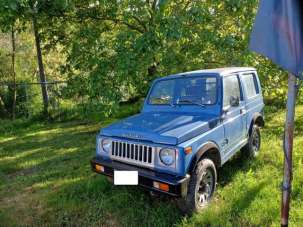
(208, 146)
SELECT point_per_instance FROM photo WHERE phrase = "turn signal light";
(161, 186)
(99, 168)
(188, 150)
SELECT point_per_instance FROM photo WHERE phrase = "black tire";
(200, 188)
(252, 148)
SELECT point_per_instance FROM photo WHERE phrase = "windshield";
(184, 91)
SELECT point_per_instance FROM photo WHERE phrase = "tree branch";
(186, 5)
(154, 5)
(118, 21)
(140, 22)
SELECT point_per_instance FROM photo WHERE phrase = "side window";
(250, 84)
(231, 87)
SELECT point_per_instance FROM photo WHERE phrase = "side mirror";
(234, 101)
(225, 109)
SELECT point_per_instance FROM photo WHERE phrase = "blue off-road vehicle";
(190, 125)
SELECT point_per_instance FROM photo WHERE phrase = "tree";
(5, 70)
(25, 12)
(8, 23)
(13, 41)
(34, 12)
(116, 48)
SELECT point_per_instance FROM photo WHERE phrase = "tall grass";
(45, 180)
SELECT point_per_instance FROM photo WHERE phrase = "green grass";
(45, 180)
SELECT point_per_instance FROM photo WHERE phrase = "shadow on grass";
(43, 151)
(130, 206)
(238, 206)
(238, 163)
(75, 196)
(233, 212)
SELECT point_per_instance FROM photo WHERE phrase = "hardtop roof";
(217, 71)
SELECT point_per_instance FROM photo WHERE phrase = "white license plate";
(125, 177)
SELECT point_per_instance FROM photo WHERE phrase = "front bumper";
(177, 185)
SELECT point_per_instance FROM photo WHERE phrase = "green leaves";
(132, 42)
(114, 49)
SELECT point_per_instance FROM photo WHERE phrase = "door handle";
(242, 111)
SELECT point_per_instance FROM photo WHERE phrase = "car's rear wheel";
(201, 187)
(253, 146)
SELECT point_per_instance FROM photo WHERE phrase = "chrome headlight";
(106, 145)
(167, 156)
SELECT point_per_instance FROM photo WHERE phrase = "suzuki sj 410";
(190, 125)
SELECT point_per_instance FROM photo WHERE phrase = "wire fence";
(29, 100)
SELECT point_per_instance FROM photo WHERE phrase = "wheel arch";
(210, 150)
(257, 119)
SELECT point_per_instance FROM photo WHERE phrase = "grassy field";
(45, 180)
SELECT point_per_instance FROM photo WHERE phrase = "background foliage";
(109, 51)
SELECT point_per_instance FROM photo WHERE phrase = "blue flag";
(278, 33)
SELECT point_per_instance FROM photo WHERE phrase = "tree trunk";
(151, 72)
(40, 65)
(3, 110)
(13, 40)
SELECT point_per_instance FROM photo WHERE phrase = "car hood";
(162, 127)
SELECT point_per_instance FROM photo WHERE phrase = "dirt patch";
(22, 172)
(110, 221)
(27, 209)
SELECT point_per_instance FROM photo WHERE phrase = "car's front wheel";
(201, 187)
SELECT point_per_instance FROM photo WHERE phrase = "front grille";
(133, 153)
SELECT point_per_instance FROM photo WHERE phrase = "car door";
(233, 113)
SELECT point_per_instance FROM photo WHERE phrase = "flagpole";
(288, 148)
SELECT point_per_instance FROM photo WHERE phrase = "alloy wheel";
(205, 188)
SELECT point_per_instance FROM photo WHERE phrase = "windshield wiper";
(191, 102)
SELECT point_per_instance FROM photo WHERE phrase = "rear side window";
(231, 88)
(250, 84)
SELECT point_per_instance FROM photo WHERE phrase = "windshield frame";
(173, 101)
